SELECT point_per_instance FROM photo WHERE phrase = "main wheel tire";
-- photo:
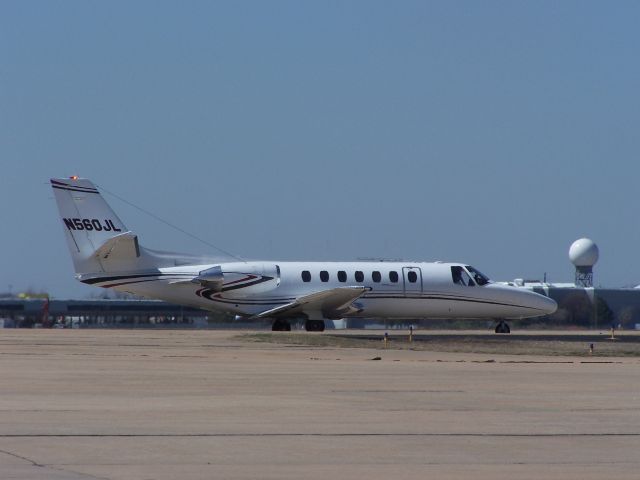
(280, 326)
(314, 325)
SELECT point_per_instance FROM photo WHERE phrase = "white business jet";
(106, 254)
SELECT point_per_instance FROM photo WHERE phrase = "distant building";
(581, 304)
(26, 313)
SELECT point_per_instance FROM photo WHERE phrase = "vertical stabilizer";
(97, 238)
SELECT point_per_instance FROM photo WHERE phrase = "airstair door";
(412, 279)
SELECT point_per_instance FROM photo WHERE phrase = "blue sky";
(493, 133)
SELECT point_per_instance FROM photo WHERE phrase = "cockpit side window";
(461, 277)
(478, 276)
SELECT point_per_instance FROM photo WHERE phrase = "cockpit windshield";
(468, 276)
(461, 277)
(478, 276)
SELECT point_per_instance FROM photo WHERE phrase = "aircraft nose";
(545, 304)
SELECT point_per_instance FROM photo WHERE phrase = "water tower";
(584, 253)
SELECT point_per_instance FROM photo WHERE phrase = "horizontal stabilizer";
(120, 247)
(331, 303)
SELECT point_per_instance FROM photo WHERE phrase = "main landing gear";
(502, 327)
(309, 326)
(281, 326)
(314, 325)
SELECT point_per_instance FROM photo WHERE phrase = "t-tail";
(97, 239)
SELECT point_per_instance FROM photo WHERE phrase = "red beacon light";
(74, 177)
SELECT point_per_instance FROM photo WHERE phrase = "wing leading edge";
(331, 304)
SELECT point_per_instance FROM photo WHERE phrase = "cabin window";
(376, 276)
(461, 277)
(359, 276)
(306, 276)
(393, 277)
(412, 276)
(342, 276)
(324, 276)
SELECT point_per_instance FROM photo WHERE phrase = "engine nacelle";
(242, 280)
(212, 278)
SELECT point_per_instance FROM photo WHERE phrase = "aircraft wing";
(332, 304)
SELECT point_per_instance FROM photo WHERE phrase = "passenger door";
(412, 280)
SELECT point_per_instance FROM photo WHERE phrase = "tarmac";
(117, 404)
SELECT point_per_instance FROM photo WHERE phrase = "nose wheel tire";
(502, 327)
(280, 326)
(314, 325)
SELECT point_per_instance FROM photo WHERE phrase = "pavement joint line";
(240, 435)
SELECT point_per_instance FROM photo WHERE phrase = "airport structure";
(580, 304)
(98, 313)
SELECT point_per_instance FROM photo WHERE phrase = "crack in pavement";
(51, 467)
(15, 455)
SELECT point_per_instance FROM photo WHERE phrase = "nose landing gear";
(502, 327)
